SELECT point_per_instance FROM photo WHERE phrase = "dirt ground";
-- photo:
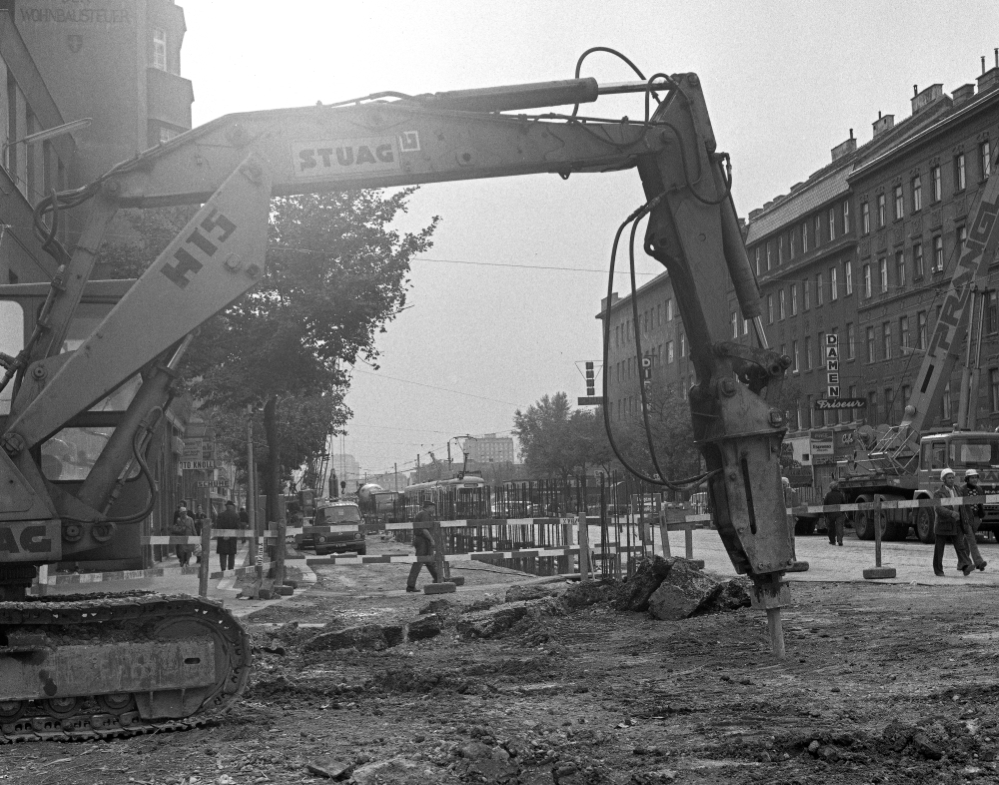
(881, 684)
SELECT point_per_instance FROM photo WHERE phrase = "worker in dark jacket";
(835, 520)
(423, 541)
(226, 548)
(948, 525)
(971, 519)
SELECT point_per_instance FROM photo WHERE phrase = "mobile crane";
(115, 665)
(903, 462)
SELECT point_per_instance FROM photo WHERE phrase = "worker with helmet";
(971, 518)
(948, 526)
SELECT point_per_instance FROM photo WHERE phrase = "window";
(917, 194)
(833, 285)
(921, 330)
(938, 256)
(960, 175)
(780, 250)
(757, 261)
(994, 388)
(962, 237)
(781, 309)
(848, 276)
(794, 356)
(985, 159)
(159, 49)
(683, 345)
(804, 237)
(818, 289)
(935, 184)
(818, 230)
(865, 218)
(886, 340)
(992, 312)
(790, 243)
(794, 299)
(872, 407)
(917, 261)
(669, 353)
(768, 256)
(659, 314)
(899, 204)
(883, 269)
(881, 210)
(889, 404)
(870, 344)
(832, 223)
(822, 349)
(745, 326)
(735, 326)
(900, 269)
(770, 309)
(867, 281)
(808, 352)
(806, 287)
(903, 331)
(645, 323)
(851, 341)
(669, 310)
(945, 403)
(846, 217)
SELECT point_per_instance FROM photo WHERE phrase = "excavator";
(92, 380)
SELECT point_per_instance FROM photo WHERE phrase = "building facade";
(490, 448)
(116, 62)
(862, 249)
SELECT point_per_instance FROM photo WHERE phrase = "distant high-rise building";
(490, 448)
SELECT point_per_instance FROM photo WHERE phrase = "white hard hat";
(971, 473)
(944, 473)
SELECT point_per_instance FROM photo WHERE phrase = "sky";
(490, 326)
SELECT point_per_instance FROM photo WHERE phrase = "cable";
(608, 50)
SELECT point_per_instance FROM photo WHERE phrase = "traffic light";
(591, 385)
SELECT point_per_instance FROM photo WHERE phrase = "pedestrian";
(423, 541)
(199, 519)
(834, 520)
(971, 519)
(183, 526)
(948, 526)
(226, 548)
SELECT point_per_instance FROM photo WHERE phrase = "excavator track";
(36, 628)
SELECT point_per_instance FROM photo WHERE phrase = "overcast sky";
(491, 327)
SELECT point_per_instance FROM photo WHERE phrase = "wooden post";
(776, 633)
(688, 542)
(585, 568)
(279, 552)
(438, 535)
(206, 555)
(664, 533)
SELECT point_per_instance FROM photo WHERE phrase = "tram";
(459, 498)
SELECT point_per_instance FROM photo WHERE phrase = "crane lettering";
(31, 539)
(345, 157)
(204, 241)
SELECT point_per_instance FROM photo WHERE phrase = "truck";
(903, 462)
(94, 374)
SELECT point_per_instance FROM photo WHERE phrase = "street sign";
(590, 400)
(830, 404)
(199, 465)
(821, 443)
(212, 484)
(832, 365)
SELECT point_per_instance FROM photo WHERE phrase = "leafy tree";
(336, 274)
(558, 442)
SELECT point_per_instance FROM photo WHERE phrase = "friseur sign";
(828, 404)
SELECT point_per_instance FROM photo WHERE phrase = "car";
(337, 528)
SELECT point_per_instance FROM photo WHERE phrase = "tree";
(336, 274)
(558, 442)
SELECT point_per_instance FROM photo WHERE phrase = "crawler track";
(123, 616)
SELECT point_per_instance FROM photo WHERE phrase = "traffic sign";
(832, 365)
(590, 400)
(193, 465)
(212, 484)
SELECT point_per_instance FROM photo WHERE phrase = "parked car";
(336, 528)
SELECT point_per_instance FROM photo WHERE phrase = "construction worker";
(423, 541)
(948, 526)
(971, 519)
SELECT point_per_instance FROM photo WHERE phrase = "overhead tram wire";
(435, 387)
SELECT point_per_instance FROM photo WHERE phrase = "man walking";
(947, 527)
(183, 526)
(971, 519)
(423, 541)
(834, 520)
(228, 519)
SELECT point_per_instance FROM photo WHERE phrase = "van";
(337, 528)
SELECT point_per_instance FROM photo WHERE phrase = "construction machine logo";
(74, 42)
(347, 157)
(217, 229)
(24, 541)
